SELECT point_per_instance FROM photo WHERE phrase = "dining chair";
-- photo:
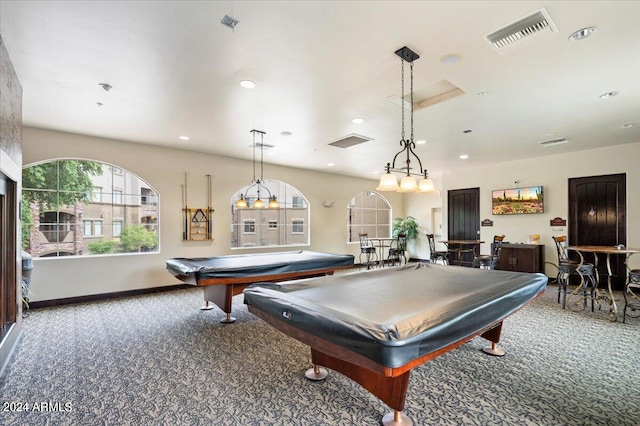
(368, 249)
(397, 249)
(568, 268)
(437, 254)
(490, 261)
(631, 293)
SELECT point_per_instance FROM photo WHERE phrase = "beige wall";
(164, 170)
(552, 172)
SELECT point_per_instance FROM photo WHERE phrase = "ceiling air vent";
(521, 32)
(554, 142)
(351, 140)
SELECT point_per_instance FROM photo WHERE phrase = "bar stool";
(631, 293)
(568, 268)
(437, 254)
(367, 249)
(397, 249)
(490, 261)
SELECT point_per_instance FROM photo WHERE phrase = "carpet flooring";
(159, 360)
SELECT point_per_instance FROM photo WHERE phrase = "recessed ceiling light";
(247, 84)
(582, 34)
(627, 126)
(450, 59)
(285, 133)
(421, 142)
(358, 120)
(464, 156)
(482, 93)
(184, 138)
(330, 164)
(608, 95)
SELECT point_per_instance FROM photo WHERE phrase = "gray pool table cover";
(256, 264)
(395, 315)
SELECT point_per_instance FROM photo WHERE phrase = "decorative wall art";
(518, 200)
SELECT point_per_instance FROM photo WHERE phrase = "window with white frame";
(117, 228)
(297, 201)
(297, 226)
(368, 213)
(117, 196)
(96, 194)
(283, 226)
(86, 207)
(92, 228)
(249, 226)
(87, 228)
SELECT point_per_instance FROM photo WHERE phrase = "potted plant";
(407, 226)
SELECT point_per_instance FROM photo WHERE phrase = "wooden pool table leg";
(391, 390)
(221, 296)
(493, 336)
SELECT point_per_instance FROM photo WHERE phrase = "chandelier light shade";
(426, 185)
(388, 182)
(409, 183)
(273, 202)
(241, 203)
(258, 184)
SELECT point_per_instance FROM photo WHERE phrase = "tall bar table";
(608, 251)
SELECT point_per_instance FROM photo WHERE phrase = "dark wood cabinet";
(522, 257)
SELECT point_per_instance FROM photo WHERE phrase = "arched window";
(286, 225)
(370, 213)
(81, 207)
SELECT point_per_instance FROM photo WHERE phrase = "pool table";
(226, 276)
(376, 326)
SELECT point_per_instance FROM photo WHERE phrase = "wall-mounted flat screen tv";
(518, 200)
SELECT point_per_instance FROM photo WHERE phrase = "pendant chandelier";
(389, 181)
(258, 184)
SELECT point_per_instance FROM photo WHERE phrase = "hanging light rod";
(388, 181)
(258, 183)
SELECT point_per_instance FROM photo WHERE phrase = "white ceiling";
(175, 71)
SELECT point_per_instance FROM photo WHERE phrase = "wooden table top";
(466, 242)
(605, 249)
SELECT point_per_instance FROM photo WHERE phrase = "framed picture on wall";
(529, 200)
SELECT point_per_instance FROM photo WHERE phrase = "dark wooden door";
(463, 217)
(597, 216)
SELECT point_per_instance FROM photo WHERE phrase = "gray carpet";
(159, 360)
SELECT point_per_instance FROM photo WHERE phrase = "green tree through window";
(78, 207)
